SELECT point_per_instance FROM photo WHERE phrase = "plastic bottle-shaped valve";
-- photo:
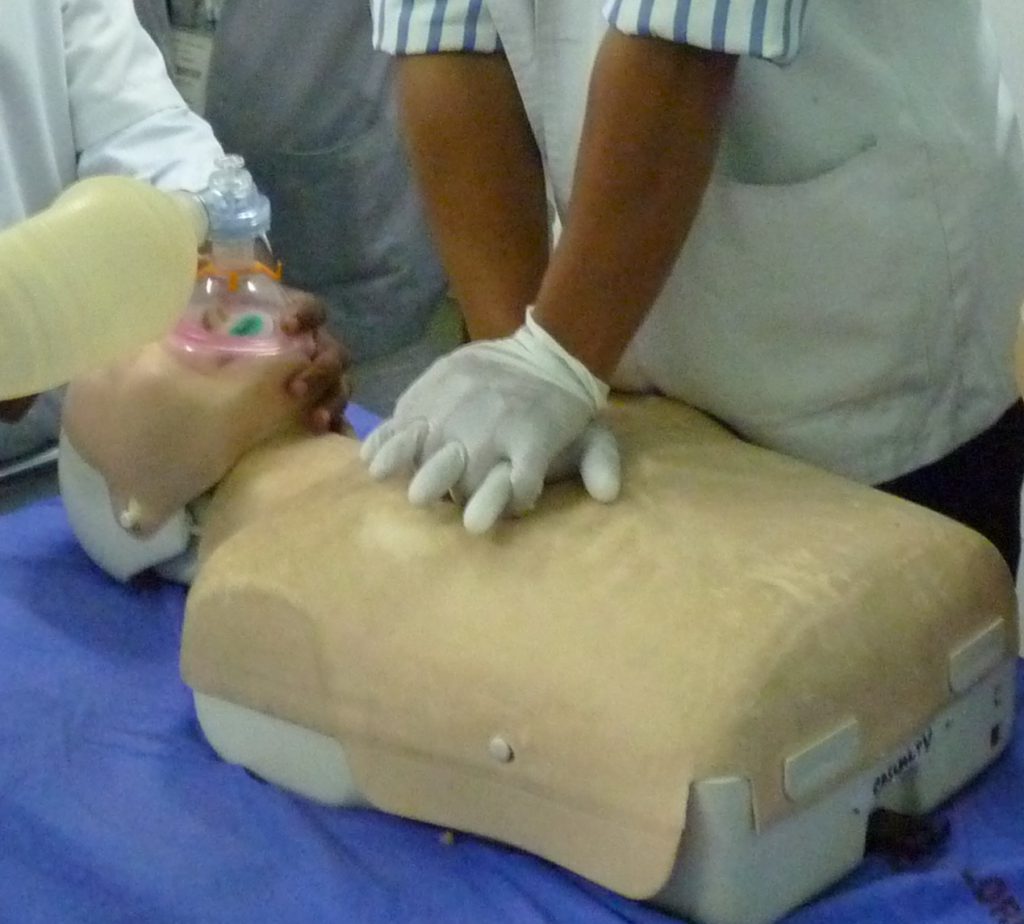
(107, 267)
(237, 303)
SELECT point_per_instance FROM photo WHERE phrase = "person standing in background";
(85, 94)
(297, 89)
(804, 217)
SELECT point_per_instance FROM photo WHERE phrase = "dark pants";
(977, 484)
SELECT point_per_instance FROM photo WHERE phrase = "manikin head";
(146, 437)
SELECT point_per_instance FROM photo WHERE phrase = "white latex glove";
(492, 421)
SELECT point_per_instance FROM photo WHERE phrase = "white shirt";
(760, 28)
(84, 91)
(849, 291)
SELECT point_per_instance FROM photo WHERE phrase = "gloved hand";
(492, 421)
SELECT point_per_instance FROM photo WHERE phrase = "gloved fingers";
(489, 501)
(600, 464)
(436, 440)
(380, 435)
(438, 475)
(400, 452)
(529, 469)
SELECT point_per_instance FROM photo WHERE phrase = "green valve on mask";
(249, 325)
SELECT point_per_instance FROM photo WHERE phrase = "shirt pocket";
(797, 299)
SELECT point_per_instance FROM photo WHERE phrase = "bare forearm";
(648, 145)
(482, 181)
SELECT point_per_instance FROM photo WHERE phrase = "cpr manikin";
(696, 696)
(150, 433)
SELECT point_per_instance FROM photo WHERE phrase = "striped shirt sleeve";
(769, 29)
(415, 27)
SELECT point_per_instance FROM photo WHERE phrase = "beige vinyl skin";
(732, 608)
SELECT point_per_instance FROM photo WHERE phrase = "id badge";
(191, 51)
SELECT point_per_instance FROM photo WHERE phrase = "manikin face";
(162, 426)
